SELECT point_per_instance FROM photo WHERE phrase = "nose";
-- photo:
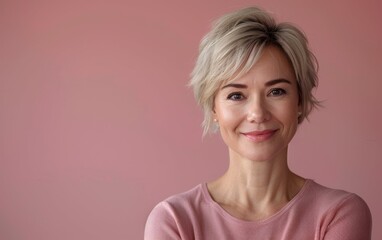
(258, 111)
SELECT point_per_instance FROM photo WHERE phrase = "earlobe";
(216, 123)
(299, 114)
(214, 116)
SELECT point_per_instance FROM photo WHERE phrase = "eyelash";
(274, 92)
(231, 95)
(279, 90)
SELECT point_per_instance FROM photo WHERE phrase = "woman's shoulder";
(175, 214)
(337, 208)
(340, 213)
(192, 196)
(330, 197)
(179, 204)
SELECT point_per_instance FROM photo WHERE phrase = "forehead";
(272, 64)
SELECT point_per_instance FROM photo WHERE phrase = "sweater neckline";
(226, 215)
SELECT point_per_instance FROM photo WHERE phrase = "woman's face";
(258, 113)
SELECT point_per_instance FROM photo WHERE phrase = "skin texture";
(258, 117)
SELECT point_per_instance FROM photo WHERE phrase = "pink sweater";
(316, 212)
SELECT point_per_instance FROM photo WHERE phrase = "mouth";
(260, 136)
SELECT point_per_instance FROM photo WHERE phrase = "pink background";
(97, 124)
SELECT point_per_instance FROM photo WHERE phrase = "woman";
(254, 80)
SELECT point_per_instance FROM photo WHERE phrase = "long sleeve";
(351, 220)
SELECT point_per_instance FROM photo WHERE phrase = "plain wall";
(97, 124)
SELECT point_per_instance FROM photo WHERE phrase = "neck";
(257, 186)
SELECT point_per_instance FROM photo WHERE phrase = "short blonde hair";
(234, 45)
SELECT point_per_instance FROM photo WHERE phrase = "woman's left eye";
(277, 92)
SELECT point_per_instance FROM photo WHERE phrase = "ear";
(214, 115)
(299, 114)
(213, 109)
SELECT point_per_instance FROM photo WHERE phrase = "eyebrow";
(276, 81)
(267, 84)
(235, 85)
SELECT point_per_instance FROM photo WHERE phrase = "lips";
(259, 136)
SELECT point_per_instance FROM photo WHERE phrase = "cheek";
(229, 115)
(290, 116)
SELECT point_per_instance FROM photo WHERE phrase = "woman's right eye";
(235, 96)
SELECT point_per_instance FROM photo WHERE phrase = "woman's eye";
(277, 92)
(235, 96)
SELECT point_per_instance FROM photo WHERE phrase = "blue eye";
(277, 92)
(235, 96)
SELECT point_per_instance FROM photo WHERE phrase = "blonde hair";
(233, 46)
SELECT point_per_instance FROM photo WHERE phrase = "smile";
(260, 136)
